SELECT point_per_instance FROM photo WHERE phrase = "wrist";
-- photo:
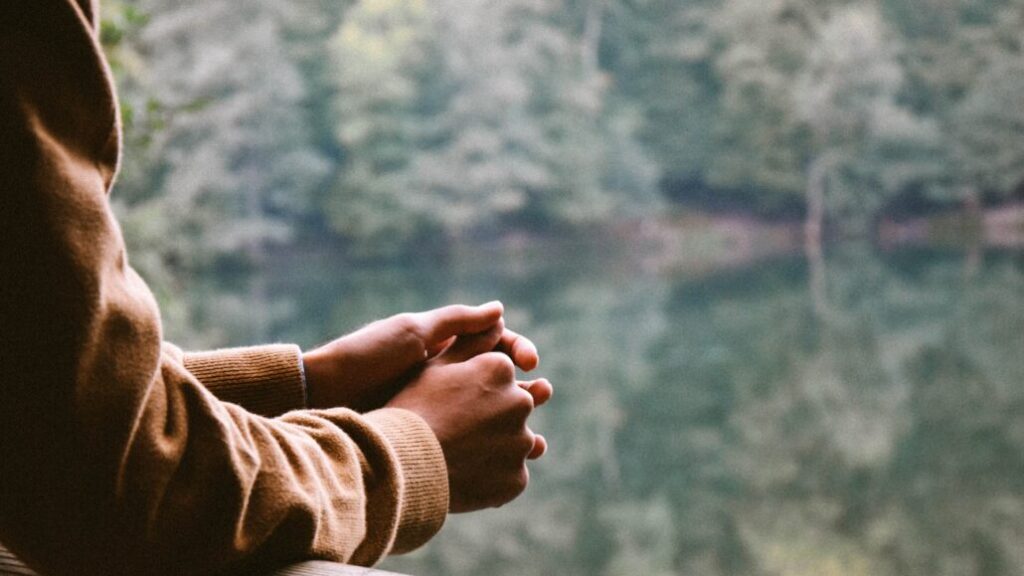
(313, 370)
(330, 379)
(304, 380)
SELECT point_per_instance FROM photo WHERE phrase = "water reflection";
(729, 423)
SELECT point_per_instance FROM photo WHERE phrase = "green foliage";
(457, 118)
(954, 52)
(219, 157)
(848, 96)
(659, 55)
(385, 122)
(381, 59)
(989, 124)
(760, 139)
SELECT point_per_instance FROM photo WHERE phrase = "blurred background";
(772, 251)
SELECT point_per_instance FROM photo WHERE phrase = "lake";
(862, 416)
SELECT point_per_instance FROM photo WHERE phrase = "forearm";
(266, 380)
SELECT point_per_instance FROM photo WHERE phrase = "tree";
(952, 50)
(382, 59)
(659, 56)
(218, 158)
(468, 117)
(866, 146)
(761, 142)
(987, 129)
(233, 160)
(987, 123)
(527, 131)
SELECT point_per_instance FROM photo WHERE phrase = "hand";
(364, 369)
(469, 397)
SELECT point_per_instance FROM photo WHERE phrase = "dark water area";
(862, 415)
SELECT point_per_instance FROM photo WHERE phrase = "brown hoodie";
(120, 454)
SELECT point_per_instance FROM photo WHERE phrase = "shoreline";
(694, 241)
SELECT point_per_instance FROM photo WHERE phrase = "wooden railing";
(11, 566)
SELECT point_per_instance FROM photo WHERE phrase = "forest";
(296, 168)
(390, 126)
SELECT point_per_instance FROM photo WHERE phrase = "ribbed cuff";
(424, 504)
(265, 380)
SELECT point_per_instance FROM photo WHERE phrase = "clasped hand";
(455, 368)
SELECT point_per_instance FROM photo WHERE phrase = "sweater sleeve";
(114, 458)
(266, 380)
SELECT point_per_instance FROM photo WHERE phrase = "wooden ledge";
(329, 569)
(11, 566)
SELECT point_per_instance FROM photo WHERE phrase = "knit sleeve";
(266, 380)
(114, 458)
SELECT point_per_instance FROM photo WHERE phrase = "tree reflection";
(720, 424)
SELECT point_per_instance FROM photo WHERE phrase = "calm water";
(732, 422)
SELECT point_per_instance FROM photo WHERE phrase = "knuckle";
(511, 487)
(501, 366)
(409, 327)
(522, 403)
(520, 480)
(406, 322)
(524, 445)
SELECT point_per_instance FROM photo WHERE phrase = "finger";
(541, 390)
(441, 324)
(472, 345)
(520, 349)
(438, 347)
(540, 447)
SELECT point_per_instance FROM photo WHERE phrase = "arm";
(126, 464)
(265, 380)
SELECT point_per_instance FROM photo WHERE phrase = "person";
(121, 454)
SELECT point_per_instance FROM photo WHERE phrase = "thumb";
(442, 324)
